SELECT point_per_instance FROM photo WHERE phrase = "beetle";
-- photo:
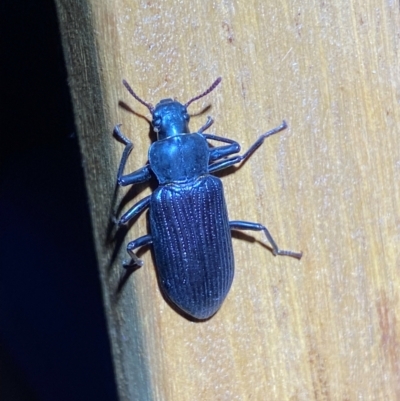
(189, 226)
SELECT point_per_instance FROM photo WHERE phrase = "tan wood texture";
(324, 328)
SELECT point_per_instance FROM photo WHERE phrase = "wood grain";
(324, 328)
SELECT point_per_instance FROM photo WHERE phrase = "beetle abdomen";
(193, 245)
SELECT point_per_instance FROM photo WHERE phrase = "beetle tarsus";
(135, 261)
(207, 125)
(282, 252)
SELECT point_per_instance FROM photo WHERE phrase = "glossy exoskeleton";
(189, 226)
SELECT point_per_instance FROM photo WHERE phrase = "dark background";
(53, 338)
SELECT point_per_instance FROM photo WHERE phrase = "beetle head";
(169, 117)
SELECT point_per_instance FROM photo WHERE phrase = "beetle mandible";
(189, 226)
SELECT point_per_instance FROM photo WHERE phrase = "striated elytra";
(189, 226)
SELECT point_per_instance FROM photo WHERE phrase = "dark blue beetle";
(190, 228)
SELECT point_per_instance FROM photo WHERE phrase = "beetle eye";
(156, 122)
(186, 116)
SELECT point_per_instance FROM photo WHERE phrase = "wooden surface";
(324, 328)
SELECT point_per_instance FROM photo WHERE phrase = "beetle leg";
(135, 210)
(128, 148)
(224, 164)
(141, 175)
(240, 158)
(138, 176)
(222, 151)
(245, 225)
(261, 140)
(207, 125)
(141, 241)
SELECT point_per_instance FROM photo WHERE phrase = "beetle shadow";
(116, 235)
(203, 111)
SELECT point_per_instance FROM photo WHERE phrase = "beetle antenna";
(130, 90)
(210, 89)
